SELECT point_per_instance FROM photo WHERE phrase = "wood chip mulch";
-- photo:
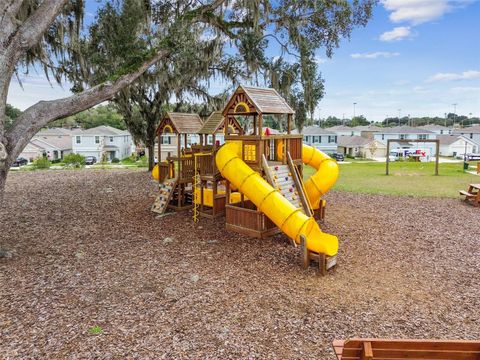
(90, 272)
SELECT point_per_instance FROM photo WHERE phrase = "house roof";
(62, 143)
(102, 130)
(314, 130)
(341, 128)
(212, 124)
(267, 100)
(42, 144)
(433, 127)
(450, 139)
(368, 128)
(54, 132)
(352, 141)
(468, 130)
(404, 130)
(184, 123)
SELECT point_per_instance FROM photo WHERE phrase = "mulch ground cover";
(90, 273)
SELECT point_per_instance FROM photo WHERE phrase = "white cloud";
(466, 75)
(374, 55)
(398, 33)
(416, 11)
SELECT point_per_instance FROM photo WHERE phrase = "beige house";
(359, 146)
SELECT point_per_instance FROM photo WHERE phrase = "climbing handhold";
(291, 190)
(276, 168)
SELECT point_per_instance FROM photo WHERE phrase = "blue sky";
(419, 56)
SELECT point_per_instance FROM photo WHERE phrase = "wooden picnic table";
(472, 194)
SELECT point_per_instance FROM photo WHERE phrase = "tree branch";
(40, 114)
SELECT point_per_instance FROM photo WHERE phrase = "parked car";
(338, 156)
(20, 162)
(90, 160)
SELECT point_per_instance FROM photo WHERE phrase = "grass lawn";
(415, 179)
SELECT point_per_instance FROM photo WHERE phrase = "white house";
(103, 140)
(471, 132)
(437, 129)
(407, 133)
(342, 130)
(53, 143)
(456, 145)
(320, 138)
(360, 146)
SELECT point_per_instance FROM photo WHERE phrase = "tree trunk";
(151, 156)
(3, 180)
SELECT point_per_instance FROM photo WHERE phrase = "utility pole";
(445, 119)
(354, 104)
(454, 112)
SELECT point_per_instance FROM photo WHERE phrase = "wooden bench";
(472, 195)
(384, 349)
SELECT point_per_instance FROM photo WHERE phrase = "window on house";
(97, 139)
(402, 136)
(330, 139)
(336, 138)
(166, 140)
(111, 138)
(307, 138)
(422, 136)
(441, 132)
(78, 139)
(383, 136)
(351, 134)
(471, 135)
(315, 139)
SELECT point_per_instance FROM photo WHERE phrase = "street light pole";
(354, 104)
(454, 112)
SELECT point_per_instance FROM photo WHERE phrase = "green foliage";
(115, 161)
(74, 160)
(95, 330)
(11, 113)
(100, 115)
(42, 163)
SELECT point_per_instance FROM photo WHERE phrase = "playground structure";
(255, 180)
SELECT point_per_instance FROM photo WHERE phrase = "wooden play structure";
(383, 349)
(176, 173)
(254, 180)
(472, 195)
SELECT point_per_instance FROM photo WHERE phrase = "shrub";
(42, 163)
(348, 156)
(74, 160)
(115, 161)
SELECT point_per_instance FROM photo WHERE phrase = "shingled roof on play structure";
(267, 100)
(183, 123)
(212, 124)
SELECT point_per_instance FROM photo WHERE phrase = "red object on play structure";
(267, 131)
(276, 168)
(291, 189)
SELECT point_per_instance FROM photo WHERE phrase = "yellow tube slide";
(291, 220)
(327, 173)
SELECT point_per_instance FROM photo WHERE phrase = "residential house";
(359, 146)
(407, 133)
(53, 143)
(437, 129)
(456, 145)
(471, 132)
(342, 130)
(103, 141)
(367, 131)
(320, 138)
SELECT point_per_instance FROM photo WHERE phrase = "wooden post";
(388, 157)
(227, 192)
(260, 124)
(255, 124)
(185, 138)
(289, 123)
(305, 258)
(367, 352)
(437, 154)
(159, 159)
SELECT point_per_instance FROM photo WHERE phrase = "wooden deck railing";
(273, 147)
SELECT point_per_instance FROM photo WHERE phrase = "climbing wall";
(166, 188)
(283, 181)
